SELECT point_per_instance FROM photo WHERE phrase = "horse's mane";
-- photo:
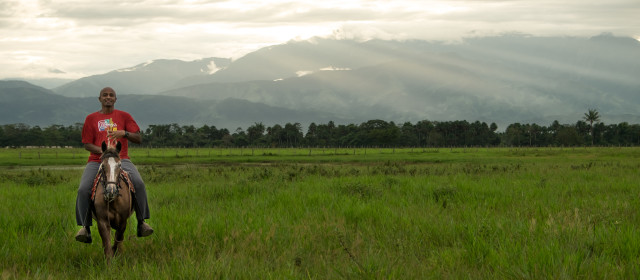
(110, 152)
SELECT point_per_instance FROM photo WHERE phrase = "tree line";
(373, 133)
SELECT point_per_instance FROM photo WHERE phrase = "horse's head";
(111, 168)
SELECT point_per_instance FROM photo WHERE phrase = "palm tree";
(591, 116)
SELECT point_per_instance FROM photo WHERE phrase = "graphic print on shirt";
(107, 125)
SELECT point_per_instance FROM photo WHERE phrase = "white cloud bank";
(72, 39)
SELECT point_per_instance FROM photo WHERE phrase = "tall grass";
(172, 156)
(481, 213)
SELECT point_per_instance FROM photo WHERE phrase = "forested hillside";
(502, 79)
(538, 85)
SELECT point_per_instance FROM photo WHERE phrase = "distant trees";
(372, 133)
(12, 135)
(288, 136)
(255, 133)
(174, 135)
(591, 116)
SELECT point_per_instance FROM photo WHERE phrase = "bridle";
(111, 186)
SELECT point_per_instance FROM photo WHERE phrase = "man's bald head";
(107, 89)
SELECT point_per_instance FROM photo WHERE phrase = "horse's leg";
(119, 237)
(123, 206)
(105, 233)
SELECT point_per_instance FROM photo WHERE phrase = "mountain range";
(503, 79)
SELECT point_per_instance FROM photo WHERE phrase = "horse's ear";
(118, 146)
(104, 146)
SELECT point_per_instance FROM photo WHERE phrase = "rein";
(101, 177)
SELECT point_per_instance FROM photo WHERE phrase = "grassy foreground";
(419, 214)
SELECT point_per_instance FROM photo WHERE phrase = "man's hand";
(133, 137)
(112, 135)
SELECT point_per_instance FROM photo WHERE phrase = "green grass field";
(478, 213)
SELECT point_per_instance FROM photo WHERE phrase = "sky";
(74, 39)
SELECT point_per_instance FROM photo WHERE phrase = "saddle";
(124, 176)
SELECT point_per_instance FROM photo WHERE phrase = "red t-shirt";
(97, 124)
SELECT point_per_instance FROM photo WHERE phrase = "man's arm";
(133, 137)
(92, 148)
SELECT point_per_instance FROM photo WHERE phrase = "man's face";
(107, 97)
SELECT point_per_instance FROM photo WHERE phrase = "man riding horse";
(109, 124)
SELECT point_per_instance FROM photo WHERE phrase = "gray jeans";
(83, 200)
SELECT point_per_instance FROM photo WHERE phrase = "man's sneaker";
(83, 235)
(144, 230)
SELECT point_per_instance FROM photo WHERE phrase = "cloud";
(91, 37)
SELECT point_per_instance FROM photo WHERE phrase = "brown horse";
(113, 201)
